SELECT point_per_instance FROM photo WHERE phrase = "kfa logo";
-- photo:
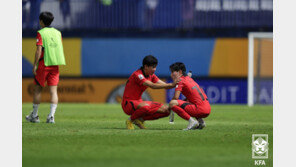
(260, 148)
(260, 162)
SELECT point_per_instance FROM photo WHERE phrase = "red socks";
(182, 113)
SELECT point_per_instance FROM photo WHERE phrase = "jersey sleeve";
(39, 39)
(155, 78)
(139, 78)
(179, 86)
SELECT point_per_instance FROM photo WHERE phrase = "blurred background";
(106, 40)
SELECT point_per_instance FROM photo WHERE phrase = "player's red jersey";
(41, 60)
(191, 90)
(134, 86)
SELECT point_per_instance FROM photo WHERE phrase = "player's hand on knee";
(173, 103)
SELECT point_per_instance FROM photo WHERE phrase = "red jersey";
(41, 60)
(191, 90)
(134, 87)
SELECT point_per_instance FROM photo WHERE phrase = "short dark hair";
(177, 67)
(46, 17)
(150, 61)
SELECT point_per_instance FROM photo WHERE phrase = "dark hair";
(177, 67)
(150, 61)
(46, 17)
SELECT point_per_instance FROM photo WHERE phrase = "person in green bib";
(49, 55)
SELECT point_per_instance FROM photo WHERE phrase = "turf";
(94, 135)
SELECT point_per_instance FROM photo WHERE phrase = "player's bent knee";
(142, 105)
(173, 103)
(163, 109)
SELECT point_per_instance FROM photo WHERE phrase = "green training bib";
(53, 47)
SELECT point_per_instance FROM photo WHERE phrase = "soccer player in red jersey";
(132, 103)
(45, 69)
(197, 104)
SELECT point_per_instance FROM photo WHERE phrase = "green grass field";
(92, 135)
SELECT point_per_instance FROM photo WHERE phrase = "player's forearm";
(37, 57)
(162, 86)
(171, 85)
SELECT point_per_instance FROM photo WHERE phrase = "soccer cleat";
(139, 123)
(192, 125)
(50, 120)
(129, 124)
(32, 119)
(201, 122)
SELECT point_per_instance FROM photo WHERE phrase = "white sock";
(191, 119)
(53, 108)
(35, 110)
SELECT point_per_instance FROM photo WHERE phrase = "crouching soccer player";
(197, 104)
(48, 56)
(132, 103)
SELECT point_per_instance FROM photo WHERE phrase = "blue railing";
(151, 14)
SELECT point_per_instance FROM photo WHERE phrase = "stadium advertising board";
(219, 91)
(88, 90)
(232, 91)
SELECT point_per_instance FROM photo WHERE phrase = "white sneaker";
(32, 119)
(50, 120)
(202, 123)
(192, 125)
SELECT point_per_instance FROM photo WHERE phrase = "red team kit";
(49, 74)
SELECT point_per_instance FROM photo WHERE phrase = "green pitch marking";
(94, 135)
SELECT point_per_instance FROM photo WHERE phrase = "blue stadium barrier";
(120, 57)
(152, 14)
